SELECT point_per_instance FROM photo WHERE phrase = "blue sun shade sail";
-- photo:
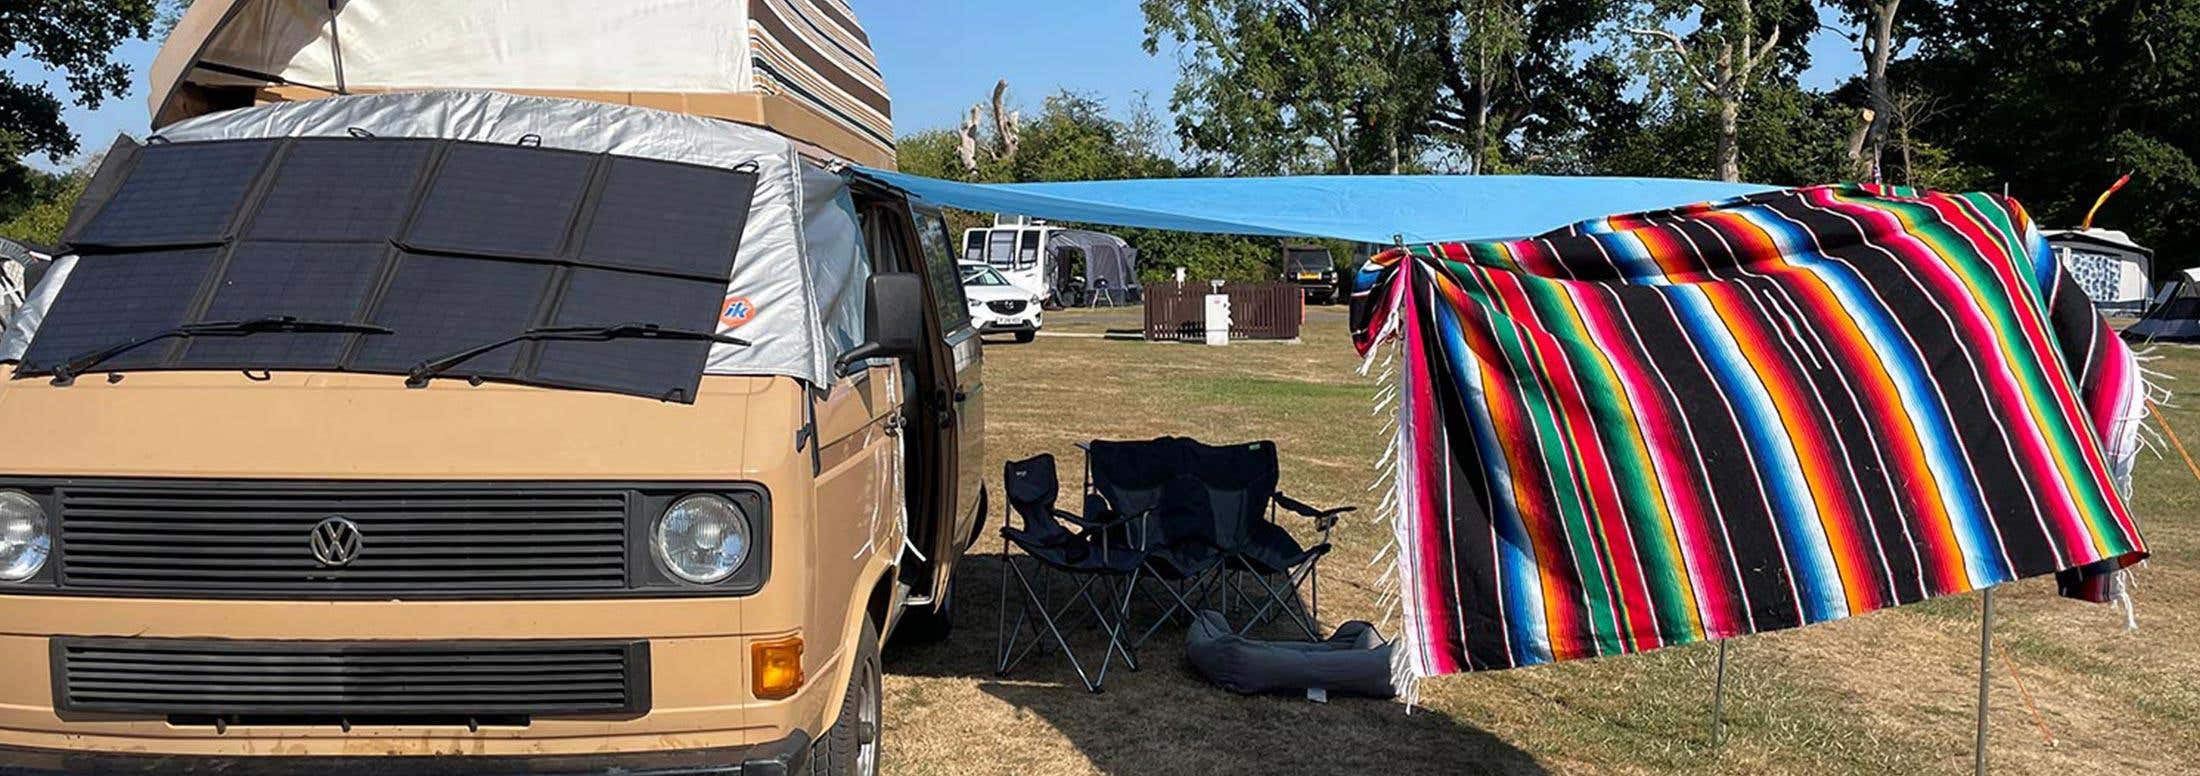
(1363, 208)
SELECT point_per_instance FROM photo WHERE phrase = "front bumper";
(994, 323)
(790, 755)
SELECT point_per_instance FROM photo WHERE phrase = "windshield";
(983, 276)
(420, 247)
(1307, 260)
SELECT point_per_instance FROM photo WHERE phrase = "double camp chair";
(1187, 519)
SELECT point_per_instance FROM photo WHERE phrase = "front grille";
(276, 681)
(1007, 306)
(412, 541)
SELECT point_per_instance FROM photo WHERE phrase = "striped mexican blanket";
(1743, 416)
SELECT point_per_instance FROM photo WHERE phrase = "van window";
(939, 264)
(974, 245)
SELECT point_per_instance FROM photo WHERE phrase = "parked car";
(999, 306)
(1310, 267)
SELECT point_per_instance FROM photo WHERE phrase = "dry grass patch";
(1890, 692)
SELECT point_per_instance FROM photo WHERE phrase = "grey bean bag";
(1354, 661)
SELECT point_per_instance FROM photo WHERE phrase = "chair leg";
(1168, 611)
(1003, 636)
(1276, 601)
(1091, 685)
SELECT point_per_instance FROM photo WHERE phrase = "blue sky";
(940, 62)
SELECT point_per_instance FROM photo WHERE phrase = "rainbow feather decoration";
(1743, 416)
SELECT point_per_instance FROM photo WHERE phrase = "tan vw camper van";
(441, 389)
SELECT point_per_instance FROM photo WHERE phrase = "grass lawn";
(1889, 692)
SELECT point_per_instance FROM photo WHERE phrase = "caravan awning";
(1363, 208)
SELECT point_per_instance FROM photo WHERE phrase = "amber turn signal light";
(775, 667)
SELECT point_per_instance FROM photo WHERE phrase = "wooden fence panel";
(1268, 310)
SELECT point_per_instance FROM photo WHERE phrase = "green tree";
(1734, 45)
(1511, 78)
(1361, 86)
(1277, 86)
(77, 39)
(2056, 98)
(41, 223)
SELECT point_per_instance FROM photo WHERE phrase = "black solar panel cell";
(669, 217)
(109, 300)
(438, 305)
(178, 195)
(307, 281)
(647, 367)
(501, 201)
(342, 190)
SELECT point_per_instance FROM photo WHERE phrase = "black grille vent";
(252, 539)
(350, 680)
(1007, 306)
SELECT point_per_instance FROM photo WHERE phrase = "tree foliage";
(42, 221)
(76, 39)
(1075, 138)
(1374, 86)
(2056, 98)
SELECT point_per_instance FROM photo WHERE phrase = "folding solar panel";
(348, 189)
(110, 300)
(508, 201)
(658, 368)
(668, 217)
(177, 195)
(307, 281)
(440, 304)
(449, 244)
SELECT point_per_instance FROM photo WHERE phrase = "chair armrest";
(1301, 508)
(1323, 518)
(1090, 524)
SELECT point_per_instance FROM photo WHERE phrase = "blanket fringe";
(1388, 402)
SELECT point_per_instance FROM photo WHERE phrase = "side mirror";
(893, 319)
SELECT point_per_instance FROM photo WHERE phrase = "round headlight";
(702, 539)
(24, 543)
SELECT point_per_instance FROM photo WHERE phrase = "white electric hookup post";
(1218, 316)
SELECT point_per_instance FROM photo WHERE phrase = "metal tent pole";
(1718, 700)
(1985, 650)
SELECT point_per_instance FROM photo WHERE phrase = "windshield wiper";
(66, 373)
(428, 370)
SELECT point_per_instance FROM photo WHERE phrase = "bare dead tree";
(1910, 109)
(1007, 130)
(1007, 124)
(967, 148)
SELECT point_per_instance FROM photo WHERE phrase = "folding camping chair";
(1242, 482)
(1085, 559)
(1101, 293)
(1174, 529)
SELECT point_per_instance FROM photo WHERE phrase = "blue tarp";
(1363, 208)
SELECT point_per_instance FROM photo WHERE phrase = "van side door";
(967, 394)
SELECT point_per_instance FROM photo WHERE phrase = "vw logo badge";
(335, 542)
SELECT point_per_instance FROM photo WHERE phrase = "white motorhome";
(1063, 267)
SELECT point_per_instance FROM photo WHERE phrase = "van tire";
(844, 751)
(925, 625)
